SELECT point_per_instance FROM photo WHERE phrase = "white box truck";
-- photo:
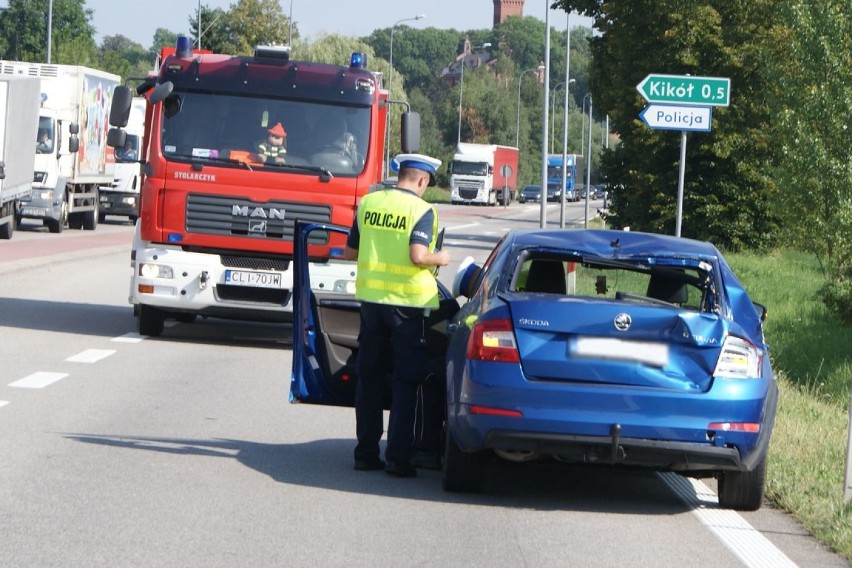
(18, 121)
(480, 172)
(121, 198)
(72, 158)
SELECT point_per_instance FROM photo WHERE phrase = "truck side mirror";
(2, 170)
(119, 110)
(161, 91)
(73, 144)
(410, 132)
(116, 138)
(74, 128)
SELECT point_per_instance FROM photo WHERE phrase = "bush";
(836, 293)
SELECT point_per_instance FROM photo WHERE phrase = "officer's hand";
(443, 257)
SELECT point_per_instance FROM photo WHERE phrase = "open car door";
(326, 321)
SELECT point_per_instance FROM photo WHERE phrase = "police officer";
(393, 238)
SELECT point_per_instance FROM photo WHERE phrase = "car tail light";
(493, 340)
(739, 360)
(751, 427)
(493, 411)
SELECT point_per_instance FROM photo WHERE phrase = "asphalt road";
(121, 450)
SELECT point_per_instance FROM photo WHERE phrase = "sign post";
(506, 172)
(682, 102)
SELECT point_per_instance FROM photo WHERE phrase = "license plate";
(255, 279)
(34, 211)
(650, 353)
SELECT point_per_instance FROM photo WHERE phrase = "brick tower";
(505, 8)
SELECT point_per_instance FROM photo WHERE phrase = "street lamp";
(390, 86)
(552, 106)
(588, 162)
(461, 83)
(539, 69)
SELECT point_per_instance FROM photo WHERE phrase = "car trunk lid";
(600, 342)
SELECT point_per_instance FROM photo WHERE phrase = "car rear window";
(683, 287)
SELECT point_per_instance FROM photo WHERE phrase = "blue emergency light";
(183, 47)
(358, 60)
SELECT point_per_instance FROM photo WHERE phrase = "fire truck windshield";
(266, 132)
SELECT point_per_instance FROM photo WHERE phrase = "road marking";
(754, 549)
(456, 228)
(38, 380)
(131, 337)
(90, 356)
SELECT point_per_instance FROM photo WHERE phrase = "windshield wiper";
(324, 173)
(211, 159)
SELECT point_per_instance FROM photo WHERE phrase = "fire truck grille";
(241, 217)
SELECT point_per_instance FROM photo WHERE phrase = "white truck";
(72, 158)
(121, 198)
(18, 121)
(479, 173)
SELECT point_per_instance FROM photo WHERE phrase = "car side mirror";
(761, 311)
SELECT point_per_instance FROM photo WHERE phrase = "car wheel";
(462, 472)
(743, 490)
(150, 321)
(89, 219)
(56, 225)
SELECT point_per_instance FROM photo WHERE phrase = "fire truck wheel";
(150, 321)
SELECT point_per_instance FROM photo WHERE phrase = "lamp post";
(49, 27)
(588, 163)
(390, 86)
(461, 83)
(553, 106)
(539, 69)
(565, 123)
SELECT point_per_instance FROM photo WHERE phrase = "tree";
(728, 189)
(256, 22)
(162, 38)
(124, 57)
(418, 54)
(812, 97)
(216, 34)
(23, 27)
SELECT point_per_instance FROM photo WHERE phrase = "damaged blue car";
(609, 347)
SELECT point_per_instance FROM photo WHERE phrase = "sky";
(138, 20)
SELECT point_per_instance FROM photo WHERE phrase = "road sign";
(686, 90)
(674, 117)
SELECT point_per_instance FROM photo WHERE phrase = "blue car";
(602, 347)
(610, 347)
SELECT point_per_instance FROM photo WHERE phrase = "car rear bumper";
(619, 425)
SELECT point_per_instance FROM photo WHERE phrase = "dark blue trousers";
(391, 345)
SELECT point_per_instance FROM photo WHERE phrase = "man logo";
(257, 212)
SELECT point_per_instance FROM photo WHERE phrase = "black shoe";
(426, 460)
(401, 469)
(369, 465)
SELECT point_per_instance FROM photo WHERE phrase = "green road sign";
(686, 90)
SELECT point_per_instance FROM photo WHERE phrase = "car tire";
(743, 490)
(150, 321)
(57, 225)
(462, 472)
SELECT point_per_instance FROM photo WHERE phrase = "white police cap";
(418, 161)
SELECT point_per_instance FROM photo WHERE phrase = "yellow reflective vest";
(386, 274)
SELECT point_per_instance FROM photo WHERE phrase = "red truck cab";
(217, 214)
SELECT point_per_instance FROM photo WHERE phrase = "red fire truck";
(217, 210)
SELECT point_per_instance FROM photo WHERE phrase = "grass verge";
(812, 357)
